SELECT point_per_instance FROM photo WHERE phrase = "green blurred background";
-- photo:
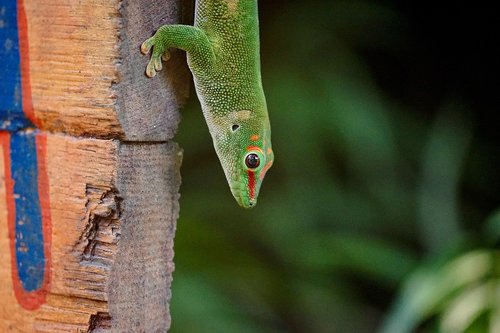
(380, 212)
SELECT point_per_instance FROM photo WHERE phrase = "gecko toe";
(165, 56)
(150, 69)
(157, 64)
(146, 46)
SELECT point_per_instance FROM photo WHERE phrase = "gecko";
(223, 54)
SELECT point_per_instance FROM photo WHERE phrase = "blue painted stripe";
(11, 106)
(28, 229)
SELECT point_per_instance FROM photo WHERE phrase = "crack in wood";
(102, 229)
(99, 322)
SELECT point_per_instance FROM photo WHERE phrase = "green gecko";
(224, 57)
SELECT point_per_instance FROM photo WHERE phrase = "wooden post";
(89, 174)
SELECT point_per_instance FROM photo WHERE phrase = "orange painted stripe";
(44, 197)
(22, 26)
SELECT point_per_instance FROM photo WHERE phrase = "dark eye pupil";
(252, 161)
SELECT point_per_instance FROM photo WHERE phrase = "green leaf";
(428, 289)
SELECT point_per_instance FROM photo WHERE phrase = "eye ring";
(252, 161)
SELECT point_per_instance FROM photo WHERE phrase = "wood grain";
(103, 164)
(142, 272)
(87, 73)
(112, 239)
(148, 108)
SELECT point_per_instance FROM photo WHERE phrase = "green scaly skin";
(223, 55)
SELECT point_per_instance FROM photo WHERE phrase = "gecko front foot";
(185, 37)
(160, 52)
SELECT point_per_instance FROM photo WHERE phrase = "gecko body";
(223, 55)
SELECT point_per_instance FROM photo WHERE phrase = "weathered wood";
(87, 74)
(142, 272)
(112, 238)
(89, 176)
(142, 103)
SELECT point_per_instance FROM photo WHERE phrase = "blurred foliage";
(464, 293)
(374, 215)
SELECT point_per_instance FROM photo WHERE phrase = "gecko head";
(244, 149)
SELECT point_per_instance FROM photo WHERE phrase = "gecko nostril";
(252, 203)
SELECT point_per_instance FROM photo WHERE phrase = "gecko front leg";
(188, 38)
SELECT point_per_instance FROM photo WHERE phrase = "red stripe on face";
(251, 184)
(264, 170)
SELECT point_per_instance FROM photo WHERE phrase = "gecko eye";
(235, 127)
(252, 161)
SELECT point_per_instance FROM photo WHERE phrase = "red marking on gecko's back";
(251, 184)
(254, 137)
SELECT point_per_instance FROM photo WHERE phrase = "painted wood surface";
(81, 62)
(87, 215)
(28, 215)
(111, 238)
